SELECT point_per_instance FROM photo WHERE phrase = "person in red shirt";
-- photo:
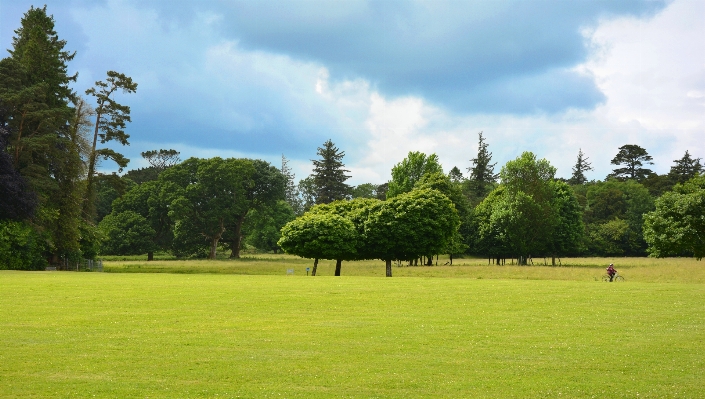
(611, 271)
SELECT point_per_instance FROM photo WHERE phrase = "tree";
(581, 166)
(161, 159)
(263, 226)
(35, 97)
(365, 190)
(633, 158)
(685, 168)
(291, 191)
(482, 177)
(261, 189)
(309, 193)
(409, 226)
(529, 213)
(608, 201)
(406, 173)
(320, 236)
(17, 201)
(213, 192)
(328, 174)
(677, 225)
(455, 175)
(126, 233)
(110, 121)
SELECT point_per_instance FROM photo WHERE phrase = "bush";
(21, 247)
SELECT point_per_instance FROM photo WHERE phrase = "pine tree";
(581, 166)
(633, 158)
(110, 120)
(685, 168)
(291, 191)
(329, 176)
(482, 176)
(36, 97)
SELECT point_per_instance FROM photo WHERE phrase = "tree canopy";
(329, 174)
(633, 158)
(410, 170)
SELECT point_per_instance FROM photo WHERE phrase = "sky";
(262, 79)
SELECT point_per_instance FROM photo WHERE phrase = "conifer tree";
(482, 176)
(110, 120)
(329, 176)
(633, 158)
(685, 168)
(291, 191)
(581, 166)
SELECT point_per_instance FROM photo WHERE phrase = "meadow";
(198, 329)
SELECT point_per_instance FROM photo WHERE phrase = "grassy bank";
(203, 335)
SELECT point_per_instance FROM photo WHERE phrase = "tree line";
(55, 206)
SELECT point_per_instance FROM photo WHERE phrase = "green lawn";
(166, 335)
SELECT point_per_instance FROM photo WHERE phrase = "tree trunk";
(237, 238)
(451, 259)
(150, 256)
(338, 264)
(388, 264)
(553, 260)
(315, 266)
(214, 246)
(429, 260)
(90, 193)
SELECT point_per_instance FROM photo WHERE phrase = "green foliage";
(633, 158)
(329, 176)
(21, 247)
(212, 193)
(320, 236)
(685, 168)
(529, 213)
(126, 233)
(406, 173)
(408, 226)
(677, 225)
(482, 178)
(263, 226)
(365, 190)
(608, 201)
(161, 159)
(581, 166)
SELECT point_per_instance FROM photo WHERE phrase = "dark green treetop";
(329, 174)
(685, 168)
(632, 157)
(581, 166)
(482, 177)
(406, 173)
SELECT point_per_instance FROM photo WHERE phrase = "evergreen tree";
(685, 168)
(455, 175)
(329, 176)
(43, 142)
(633, 158)
(110, 120)
(581, 166)
(482, 176)
(291, 191)
(161, 159)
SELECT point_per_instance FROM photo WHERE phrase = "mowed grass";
(165, 335)
(674, 270)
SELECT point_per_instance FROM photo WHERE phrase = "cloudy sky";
(264, 78)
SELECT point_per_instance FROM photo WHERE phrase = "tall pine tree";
(329, 174)
(632, 157)
(581, 166)
(685, 168)
(482, 177)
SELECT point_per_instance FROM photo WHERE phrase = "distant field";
(683, 270)
(164, 335)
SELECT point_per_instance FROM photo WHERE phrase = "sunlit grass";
(683, 270)
(161, 335)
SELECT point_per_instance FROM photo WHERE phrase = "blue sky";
(381, 78)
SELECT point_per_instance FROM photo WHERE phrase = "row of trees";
(51, 142)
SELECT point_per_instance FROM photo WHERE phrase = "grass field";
(223, 331)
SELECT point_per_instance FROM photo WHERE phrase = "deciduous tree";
(406, 173)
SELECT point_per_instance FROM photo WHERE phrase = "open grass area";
(675, 270)
(166, 335)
